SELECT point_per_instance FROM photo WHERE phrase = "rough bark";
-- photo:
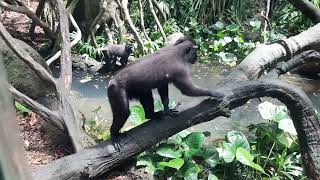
(266, 56)
(13, 163)
(103, 158)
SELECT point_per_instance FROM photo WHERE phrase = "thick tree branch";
(42, 73)
(266, 56)
(296, 61)
(103, 157)
(308, 9)
(31, 15)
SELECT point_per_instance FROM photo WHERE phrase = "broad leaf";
(144, 161)
(228, 152)
(174, 163)
(287, 126)
(168, 151)
(195, 140)
(244, 156)
(238, 139)
(137, 115)
(233, 27)
(212, 177)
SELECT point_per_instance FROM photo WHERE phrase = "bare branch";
(124, 8)
(75, 40)
(142, 21)
(31, 15)
(46, 114)
(157, 21)
(160, 10)
(42, 73)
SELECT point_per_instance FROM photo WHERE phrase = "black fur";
(154, 71)
(111, 52)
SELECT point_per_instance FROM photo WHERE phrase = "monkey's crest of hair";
(183, 39)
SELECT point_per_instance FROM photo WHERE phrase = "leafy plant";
(86, 48)
(22, 110)
(272, 154)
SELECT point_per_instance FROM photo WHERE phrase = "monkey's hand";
(162, 114)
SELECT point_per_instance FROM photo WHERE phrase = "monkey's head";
(188, 48)
(128, 49)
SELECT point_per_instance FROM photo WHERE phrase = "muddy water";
(92, 94)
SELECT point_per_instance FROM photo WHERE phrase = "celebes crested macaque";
(154, 71)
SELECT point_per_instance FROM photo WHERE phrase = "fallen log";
(102, 158)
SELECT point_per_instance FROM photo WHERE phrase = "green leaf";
(174, 163)
(228, 152)
(227, 39)
(238, 139)
(287, 126)
(233, 27)
(212, 177)
(213, 160)
(195, 140)
(285, 139)
(273, 112)
(190, 170)
(244, 156)
(144, 161)
(168, 151)
(22, 108)
(218, 25)
(137, 115)
(191, 152)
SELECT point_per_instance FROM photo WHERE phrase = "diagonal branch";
(42, 73)
(31, 15)
(39, 109)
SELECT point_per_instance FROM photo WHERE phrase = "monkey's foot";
(115, 141)
(171, 113)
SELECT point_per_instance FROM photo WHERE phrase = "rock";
(20, 75)
(84, 63)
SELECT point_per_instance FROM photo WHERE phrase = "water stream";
(90, 94)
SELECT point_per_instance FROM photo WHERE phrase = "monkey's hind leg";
(120, 109)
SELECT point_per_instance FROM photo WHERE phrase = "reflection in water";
(91, 94)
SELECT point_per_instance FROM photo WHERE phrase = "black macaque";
(111, 52)
(154, 71)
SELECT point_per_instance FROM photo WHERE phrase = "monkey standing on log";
(154, 71)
